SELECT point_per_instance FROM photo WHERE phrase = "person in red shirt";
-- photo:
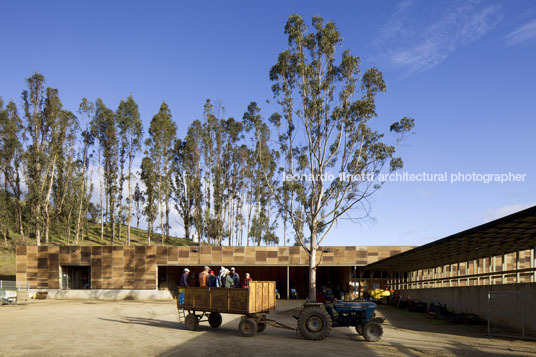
(245, 282)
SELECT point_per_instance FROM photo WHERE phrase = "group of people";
(225, 279)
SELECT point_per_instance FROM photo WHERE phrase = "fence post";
(489, 310)
(523, 314)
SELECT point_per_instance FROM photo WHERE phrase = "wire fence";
(20, 286)
(509, 314)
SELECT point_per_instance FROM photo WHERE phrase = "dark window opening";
(76, 277)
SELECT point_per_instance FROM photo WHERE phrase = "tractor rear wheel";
(215, 319)
(314, 323)
(191, 322)
(248, 327)
(372, 331)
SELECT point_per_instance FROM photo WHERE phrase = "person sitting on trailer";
(203, 277)
(227, 281)
(245, 282)
(184, 277)
(221, 277)
(236, 278)
(212, 280)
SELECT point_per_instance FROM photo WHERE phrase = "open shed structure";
(488, 270)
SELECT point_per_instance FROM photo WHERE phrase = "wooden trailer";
(195, 303)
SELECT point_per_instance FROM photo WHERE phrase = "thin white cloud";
(523, 33)
(507, 210)
(419, 36)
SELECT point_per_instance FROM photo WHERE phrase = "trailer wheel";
(261, 326)
(314, 323)
(191, 322)
(214, 319)
(248, 327)
(372, 331)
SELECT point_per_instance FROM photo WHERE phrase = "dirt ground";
(135, 328)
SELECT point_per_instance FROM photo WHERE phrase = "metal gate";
(508, 314)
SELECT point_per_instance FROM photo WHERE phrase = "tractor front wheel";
(372, 331)
(314, 323)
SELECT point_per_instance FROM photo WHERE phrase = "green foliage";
(332, 101)
(148, 177)
(162, 132)
(223, 176)
(104, 128)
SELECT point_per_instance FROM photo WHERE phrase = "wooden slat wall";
(136, 267)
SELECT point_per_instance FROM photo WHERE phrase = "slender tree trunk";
(101, 194)
(161, 208)
(69, 228)
(129, 216)
(167, 215)
(119, 224)
(19, 220)
(312, 268)
(6, 210)
(82, 199)
(250, 209)
(149, 229)
(285, 230)
(111, 216)
(19, 208)
(47, 200)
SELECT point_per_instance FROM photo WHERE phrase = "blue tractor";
(315, 320)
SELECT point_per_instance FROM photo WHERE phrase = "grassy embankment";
(137, 237)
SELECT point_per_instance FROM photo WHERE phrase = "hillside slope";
(137, 237)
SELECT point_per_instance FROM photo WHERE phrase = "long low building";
(154, 271)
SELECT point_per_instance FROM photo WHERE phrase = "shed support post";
(503, 268)
(533, 264)
(518, 277)
(381, 279)
(467, 273)
(477, 269)
(458, 273)
(288, 282)
(494, 269)
(489, 270)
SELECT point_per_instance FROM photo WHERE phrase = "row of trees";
(223, 177)
(213, 176)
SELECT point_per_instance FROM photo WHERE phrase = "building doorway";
(75, 277)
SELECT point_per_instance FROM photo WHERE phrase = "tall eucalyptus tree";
(131, 132)
(162, 132)
(331, 102)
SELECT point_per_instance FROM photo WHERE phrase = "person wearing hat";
(184, 277)
(235, 277)
(212, 280)
(227, 282)
(203, 277)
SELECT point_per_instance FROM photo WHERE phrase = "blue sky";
(463, 69)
